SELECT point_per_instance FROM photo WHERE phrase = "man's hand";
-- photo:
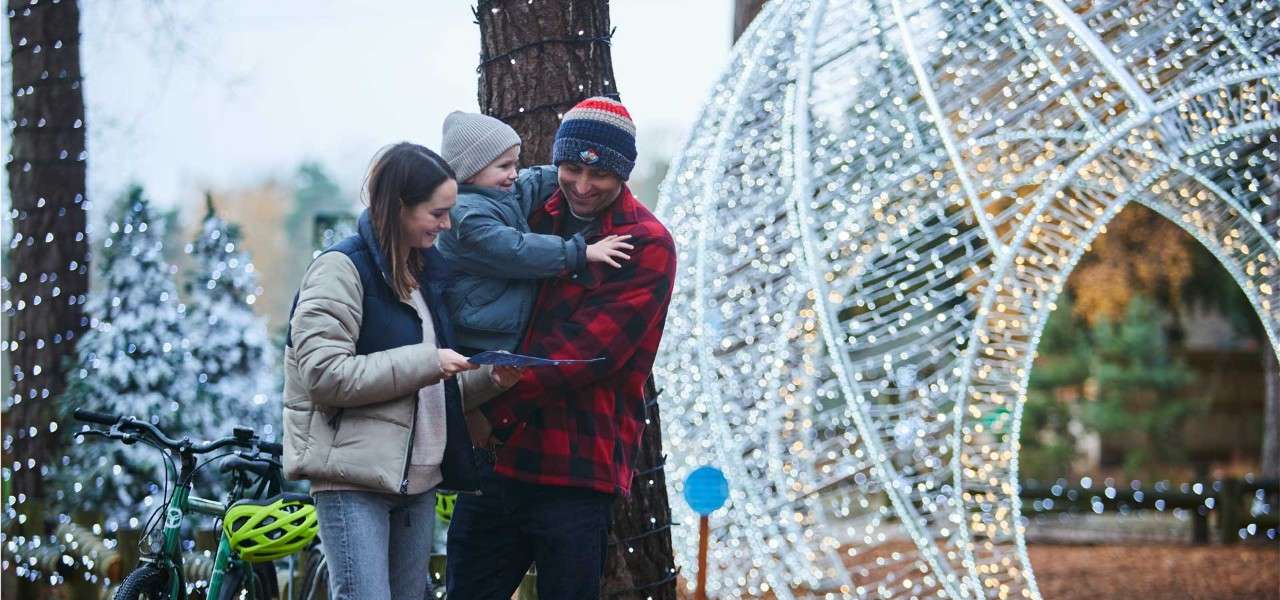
(505, 377)
(478, 427)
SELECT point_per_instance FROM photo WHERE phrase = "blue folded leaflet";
(506, 359)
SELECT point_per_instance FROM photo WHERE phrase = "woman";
(373, 392)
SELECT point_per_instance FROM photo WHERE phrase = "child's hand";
(506, 377)
(453, 363)
(609, 249)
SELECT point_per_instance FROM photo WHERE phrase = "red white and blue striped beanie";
(597, 132)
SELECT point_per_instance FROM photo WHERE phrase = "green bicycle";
(260, 524)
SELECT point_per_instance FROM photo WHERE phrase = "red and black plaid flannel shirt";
(580, 425)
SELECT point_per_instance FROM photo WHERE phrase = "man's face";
(588, 190)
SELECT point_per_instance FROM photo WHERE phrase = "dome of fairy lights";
(876, 211)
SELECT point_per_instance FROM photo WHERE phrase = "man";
(567, 435)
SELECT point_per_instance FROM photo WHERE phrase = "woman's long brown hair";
(403, 175)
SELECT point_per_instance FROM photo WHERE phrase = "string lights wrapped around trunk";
(876, 211)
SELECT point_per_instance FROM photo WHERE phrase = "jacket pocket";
(485, 292)
(489, 305)
(385, 423)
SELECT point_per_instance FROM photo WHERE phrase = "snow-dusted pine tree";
(234, 358)
(135, 360)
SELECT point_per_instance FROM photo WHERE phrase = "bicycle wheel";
(145, 582)
(315, 575)
(265, 587)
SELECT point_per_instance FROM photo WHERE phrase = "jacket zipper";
(413, 425)
(408, 452)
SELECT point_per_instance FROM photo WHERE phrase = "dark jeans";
(496, 535)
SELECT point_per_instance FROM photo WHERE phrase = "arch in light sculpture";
(876, 211)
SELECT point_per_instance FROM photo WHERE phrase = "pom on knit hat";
(597, 132)
(471, 141)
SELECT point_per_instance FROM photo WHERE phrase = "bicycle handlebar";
(95, 417)
(130, 423)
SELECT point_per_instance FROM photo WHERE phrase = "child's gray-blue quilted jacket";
(497, 262)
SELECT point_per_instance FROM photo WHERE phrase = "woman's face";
(424, 221)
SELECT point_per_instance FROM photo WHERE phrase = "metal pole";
(704, 531)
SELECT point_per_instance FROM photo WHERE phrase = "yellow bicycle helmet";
(270, 529)
(444, 506)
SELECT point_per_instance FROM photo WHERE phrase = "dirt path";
(1157, 572)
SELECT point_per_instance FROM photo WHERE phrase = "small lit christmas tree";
(135, 360)
(234, 359)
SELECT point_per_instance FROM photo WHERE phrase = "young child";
(496, 261)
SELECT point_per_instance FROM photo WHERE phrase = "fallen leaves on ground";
(1242, 572)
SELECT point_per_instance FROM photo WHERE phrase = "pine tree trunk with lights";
(46, 275)
(538, 59)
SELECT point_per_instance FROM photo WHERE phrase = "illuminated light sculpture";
(876, 211)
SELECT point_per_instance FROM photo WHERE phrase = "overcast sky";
(185, 95)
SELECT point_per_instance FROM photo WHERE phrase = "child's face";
(500, 173)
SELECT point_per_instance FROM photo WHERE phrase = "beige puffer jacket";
(369, 446)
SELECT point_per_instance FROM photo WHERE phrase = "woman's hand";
(506, 377)
(453, 363)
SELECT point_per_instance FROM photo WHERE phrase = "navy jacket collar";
(436, 268)
(364, 226)
(431, 280)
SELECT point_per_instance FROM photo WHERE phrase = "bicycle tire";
(315, 576)
(265, 585)
(145, 582)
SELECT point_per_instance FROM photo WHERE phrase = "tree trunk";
(47, 274)
(641, 563)
(538, 60)
(744, 11)
(1271, 418)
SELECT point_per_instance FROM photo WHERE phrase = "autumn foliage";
(1140, 253)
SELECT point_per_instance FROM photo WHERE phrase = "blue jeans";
(377, 546)
(495, 536)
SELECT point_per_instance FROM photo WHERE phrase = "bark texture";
(46, 273)
(538, 59)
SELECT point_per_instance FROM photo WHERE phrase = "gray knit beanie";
(472, 141)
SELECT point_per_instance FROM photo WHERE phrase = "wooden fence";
(1222, 505)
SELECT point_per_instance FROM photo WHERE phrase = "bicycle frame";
(170, 555)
